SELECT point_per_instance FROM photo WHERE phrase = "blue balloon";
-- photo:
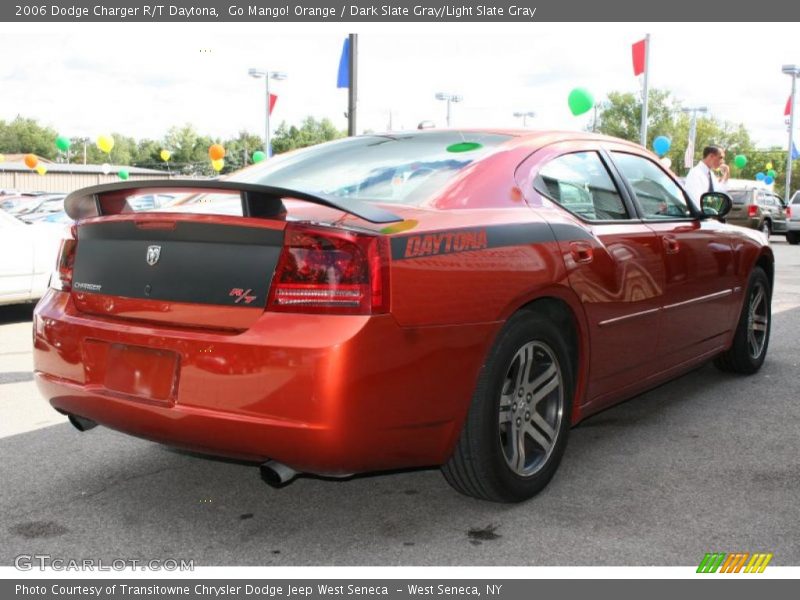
(768, 180)
(760, 176)
(661, 145)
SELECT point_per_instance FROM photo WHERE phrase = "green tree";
(23, 136)
(621, 116)
(239, 150)
(311, 132)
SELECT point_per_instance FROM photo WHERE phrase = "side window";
(658, 195)
(580, 183)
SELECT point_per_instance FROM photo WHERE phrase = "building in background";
(60, 177)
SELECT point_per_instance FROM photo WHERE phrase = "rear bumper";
(322, 394)
(793, 226)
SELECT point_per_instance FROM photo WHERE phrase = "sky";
(86, 79)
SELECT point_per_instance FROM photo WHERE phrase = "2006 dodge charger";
(453, 298)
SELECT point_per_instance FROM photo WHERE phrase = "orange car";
(453, 298)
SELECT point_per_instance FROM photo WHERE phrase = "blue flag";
(795, 153)
(343, 80)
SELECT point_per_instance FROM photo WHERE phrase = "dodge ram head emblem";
(153, 254)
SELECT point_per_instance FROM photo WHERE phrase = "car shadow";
(16, 313)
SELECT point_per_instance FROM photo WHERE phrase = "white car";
(27, 258)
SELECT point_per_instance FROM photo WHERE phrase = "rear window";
(404, 168)
(740, 196)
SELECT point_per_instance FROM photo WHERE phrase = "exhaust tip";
(81, 423)
(277, 474)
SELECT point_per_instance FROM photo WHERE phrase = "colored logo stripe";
(733, 563)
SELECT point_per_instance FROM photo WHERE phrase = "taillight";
(322, 270)
(62, 278)
(788, 212)
(752, 210)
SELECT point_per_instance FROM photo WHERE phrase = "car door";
(16, 259)
(701, 285)
(613, 260)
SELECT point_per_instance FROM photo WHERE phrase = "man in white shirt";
(701, 178)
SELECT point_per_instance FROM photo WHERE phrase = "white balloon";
(106, 168)
(666, 161)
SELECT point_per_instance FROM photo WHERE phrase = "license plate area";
(137, 372)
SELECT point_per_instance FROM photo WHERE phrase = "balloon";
(41, 169)
(106, 168)
(2, 158)
(216, 152)
(580, 101)
(661, 145)
(667, 162)
(740, 161)
(123, 174)
(217, 164)
(768, 180)
(760, 176)
(105, 143)
(63, 143)
(165, 154)
(31, 161)
(769, 166)
(259, 155)
(771, 173)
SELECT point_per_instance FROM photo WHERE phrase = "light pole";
(794, 71)
(267, 75)
(525, 116)
(688, 158)
(449, 98)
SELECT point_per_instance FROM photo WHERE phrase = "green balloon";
(772, 173)
(123, 174)
(740, 161)
(63, 143)
(580, 101)
(259, 155)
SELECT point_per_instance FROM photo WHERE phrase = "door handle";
(582, 252)
(671, 245)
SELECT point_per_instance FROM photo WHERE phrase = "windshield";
(401, 168)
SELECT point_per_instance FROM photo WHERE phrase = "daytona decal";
(445, 242)
(496, 236)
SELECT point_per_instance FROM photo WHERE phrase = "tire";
(751, 339)
(766, 229)
(510, 411)
(793, 237)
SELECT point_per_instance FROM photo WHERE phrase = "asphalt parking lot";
(709, 462)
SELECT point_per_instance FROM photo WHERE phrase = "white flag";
(688, 158)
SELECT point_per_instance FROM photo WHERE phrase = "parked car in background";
(756, 207)
(453, 298)
(793, 220)
(27, 258)
(44, 205)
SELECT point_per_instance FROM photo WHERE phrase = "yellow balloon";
(218, 164)
(2, 158)
(769, 166)
(41, 169)
(165, 154)
(105, 143)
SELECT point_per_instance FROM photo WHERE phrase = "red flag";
(638, 57)
(788, 110)
(272, 100)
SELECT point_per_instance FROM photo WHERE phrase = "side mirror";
(715, 205)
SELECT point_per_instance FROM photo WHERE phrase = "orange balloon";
(216, 152)
(31, 161)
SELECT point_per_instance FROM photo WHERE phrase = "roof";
(79, 168)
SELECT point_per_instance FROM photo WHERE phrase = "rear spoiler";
(257, 200)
